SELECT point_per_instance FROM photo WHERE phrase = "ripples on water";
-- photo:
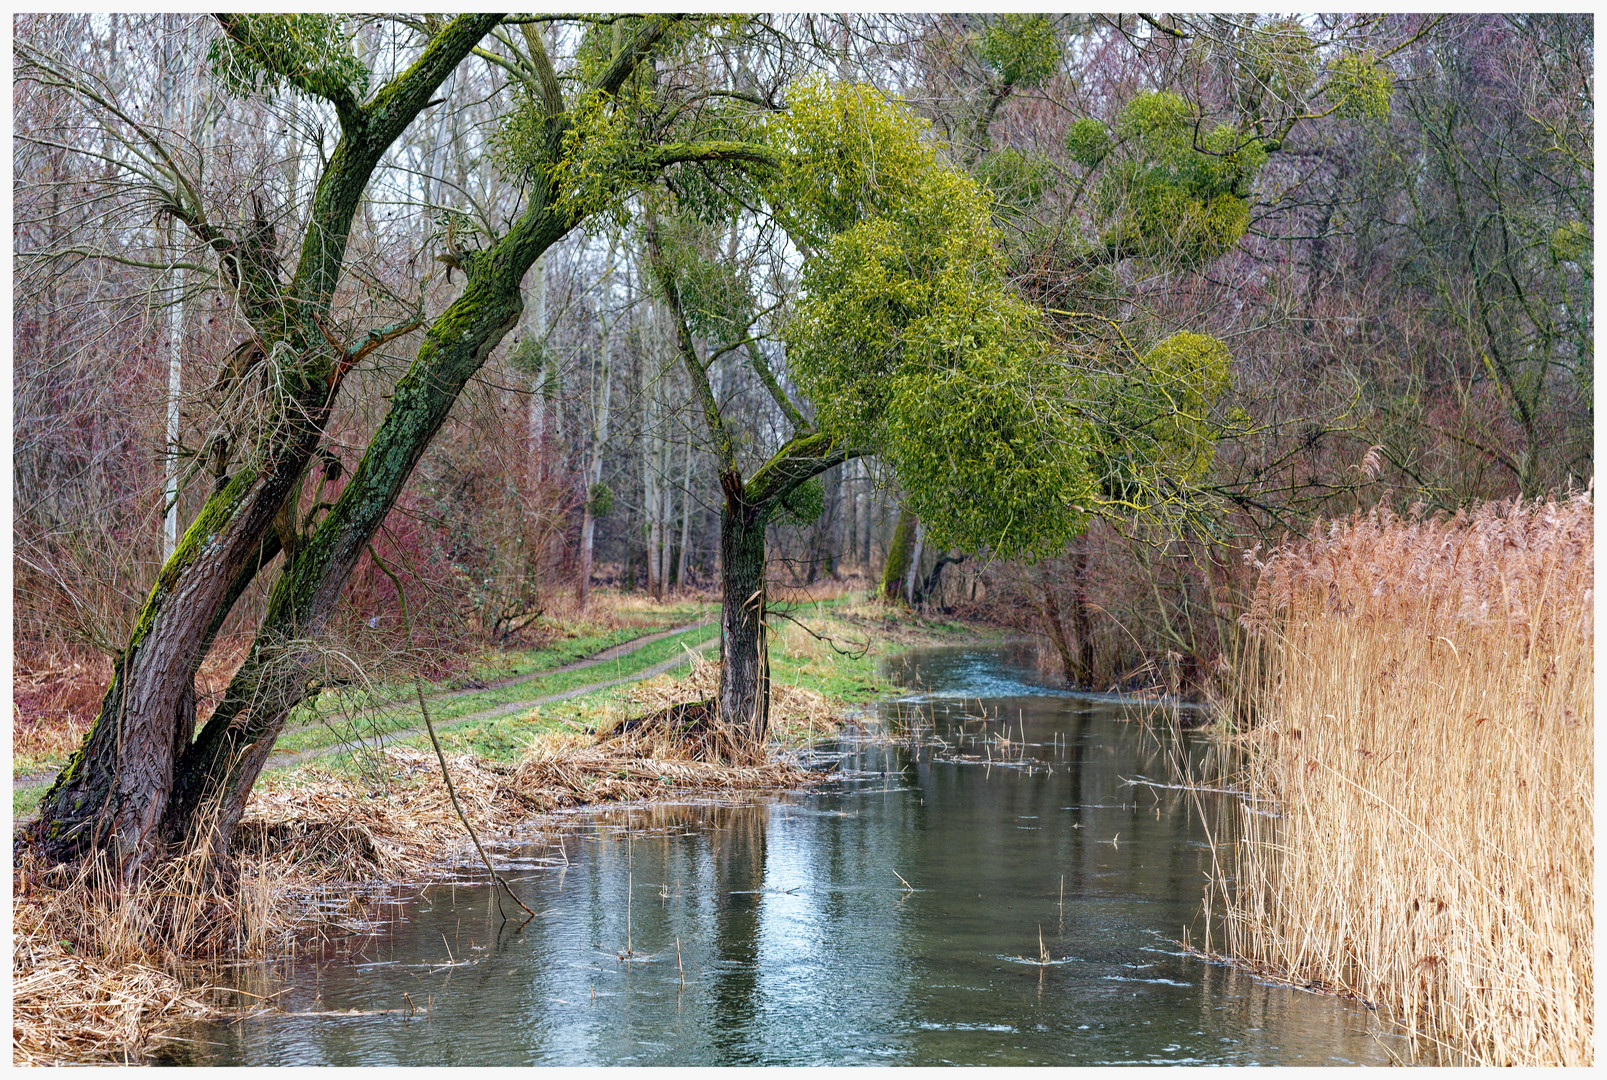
(948, 898)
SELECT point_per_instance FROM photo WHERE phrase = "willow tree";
(144, 780)
(1007, 421)
(906, 342)
(114, 792)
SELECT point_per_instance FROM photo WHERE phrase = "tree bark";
(601, 404)
(686, 518)
(113, 794)
(744, 700)
(898, 556)
(913, 574)
(1081, 621)
(217, 772)
(1049, 607)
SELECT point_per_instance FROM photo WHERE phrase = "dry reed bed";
(99, 975)
(1427, 738)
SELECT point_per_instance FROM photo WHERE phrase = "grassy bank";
(1426, 739)
(99, 976)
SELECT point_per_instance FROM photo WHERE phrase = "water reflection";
(978, 891)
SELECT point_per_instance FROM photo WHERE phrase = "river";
(968, 891)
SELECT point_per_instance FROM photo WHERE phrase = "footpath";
(287, 759)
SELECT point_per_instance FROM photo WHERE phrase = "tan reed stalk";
(1425, 735)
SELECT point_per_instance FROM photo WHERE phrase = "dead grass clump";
(1426, 736)
(688, 731)
(66, 1007)
(56, 693)
(554, 776)
(797, 714)
(327, 828)
(99, 971)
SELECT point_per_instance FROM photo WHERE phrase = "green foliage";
(990, 456)
(310, 53)
(1359, 86)
(1016, 181)
(1181, 192)
(1087, 142)
(1282, 61)
(600, 500)
(1572, 243)
(715, 296)
(1022, 50)
(602, 41)
(907, 338)
(605, 155)
(1160, 118)
(851, 155)
(1157, 416)
(803, 505)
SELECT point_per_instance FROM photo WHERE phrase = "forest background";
(1406, 302)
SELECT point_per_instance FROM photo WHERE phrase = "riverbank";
(99, 979)
(1425, 745)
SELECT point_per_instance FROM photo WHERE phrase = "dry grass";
(1426, 736)
(797, 714)
(56, 692)
(98, 974)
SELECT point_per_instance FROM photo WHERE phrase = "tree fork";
(216, 774)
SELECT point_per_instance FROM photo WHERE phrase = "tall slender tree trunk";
(686, 517)
(913, 574)
(601, 415)
(178, 107)
(536, 331)
(1049, 607)
(175, 391)
(1082, 623)
(650, 494)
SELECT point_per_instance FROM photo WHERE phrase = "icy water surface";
(980, 892)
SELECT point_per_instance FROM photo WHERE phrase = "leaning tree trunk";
(744, 702)
(111, 795)
(217, 772)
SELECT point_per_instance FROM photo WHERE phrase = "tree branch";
(274, 60)
(802, 458)
(724, 449)
(551, 95)
(630, 57)
(757, 361)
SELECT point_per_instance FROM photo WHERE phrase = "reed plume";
(1425, 738)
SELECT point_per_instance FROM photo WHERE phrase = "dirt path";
(613, 652)
(284, 761)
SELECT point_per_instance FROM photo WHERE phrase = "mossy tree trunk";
(744, 698)
(899, 554)
(112, 795)
(216, 773)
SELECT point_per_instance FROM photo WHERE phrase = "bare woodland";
(502, 305)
